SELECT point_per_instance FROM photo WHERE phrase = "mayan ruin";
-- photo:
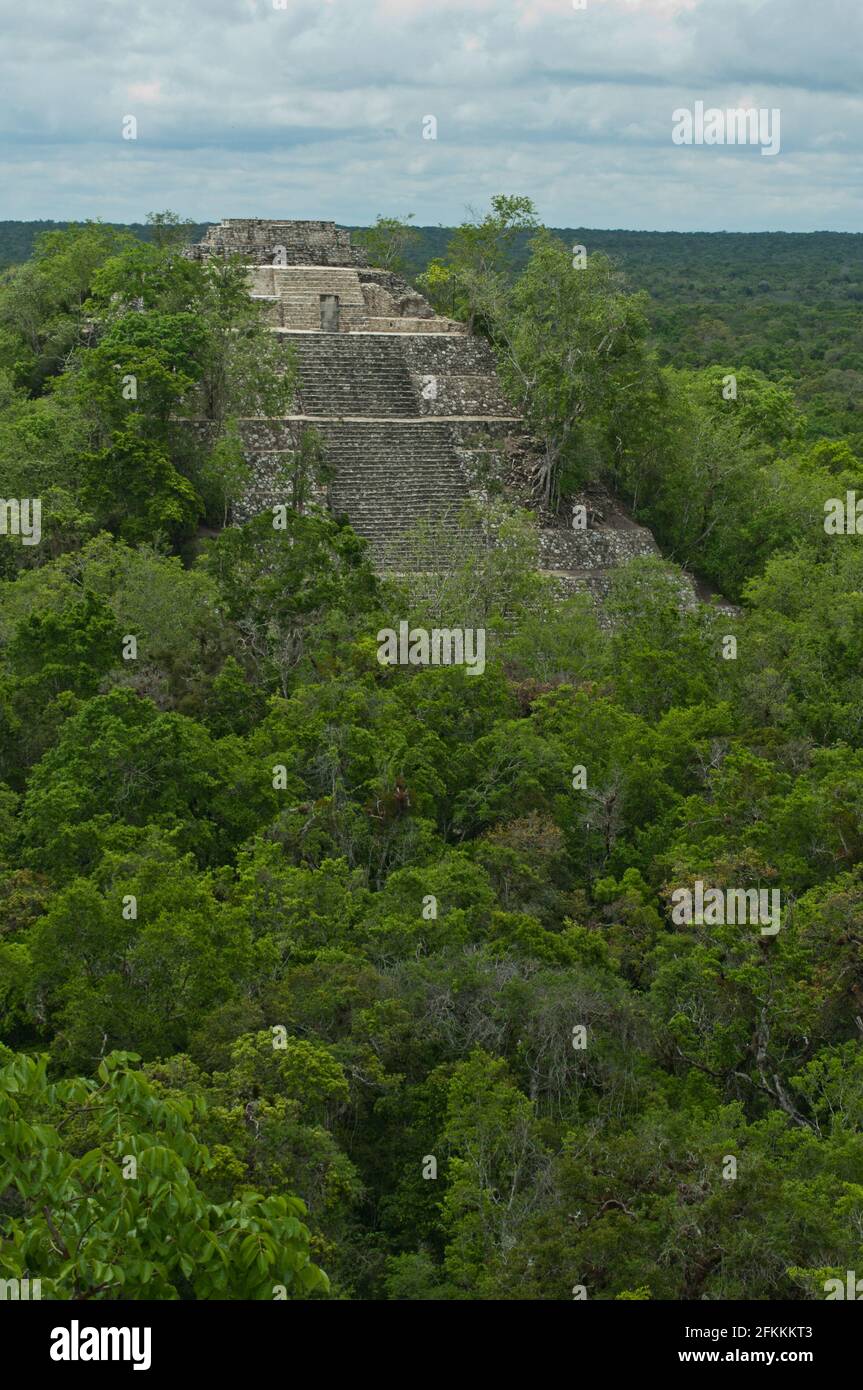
(407, 403)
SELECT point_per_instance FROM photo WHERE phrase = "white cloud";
(316, 110)
(144, 91)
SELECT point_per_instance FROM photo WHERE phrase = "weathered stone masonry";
(406, 401)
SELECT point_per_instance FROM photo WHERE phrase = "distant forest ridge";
(785, 303)
(788, 259)
(17, 238)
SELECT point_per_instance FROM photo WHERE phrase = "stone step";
(389, 476)
(388, 375)
(338, 373)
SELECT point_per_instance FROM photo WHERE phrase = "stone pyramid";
(407, 403)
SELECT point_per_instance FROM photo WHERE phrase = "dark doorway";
(329, 313)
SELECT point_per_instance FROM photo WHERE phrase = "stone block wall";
(595, 548)
(455, 376)
(292, 296)
(389, 296)
(260, 242)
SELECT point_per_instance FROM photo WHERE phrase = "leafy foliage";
(111, 1195)
(370, 979)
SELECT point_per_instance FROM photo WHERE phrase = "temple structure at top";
(311, 279)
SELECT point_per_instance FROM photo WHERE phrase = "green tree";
(572, 352)
(103, 1195)
(391, 243)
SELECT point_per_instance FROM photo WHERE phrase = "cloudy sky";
(318, 108)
